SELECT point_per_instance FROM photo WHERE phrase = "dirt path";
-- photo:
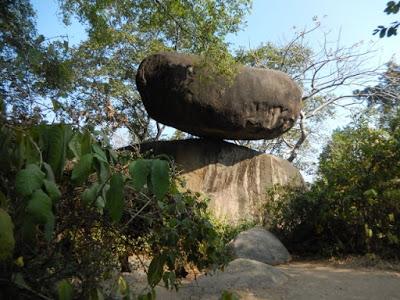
(316, 280)
(323, 281)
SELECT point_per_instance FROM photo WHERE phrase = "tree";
(325, 75)
(353, 206)
(31, 67)
(391, 8)
(384, 97)
(121, 34)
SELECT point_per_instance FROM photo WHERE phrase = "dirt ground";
(320, 280)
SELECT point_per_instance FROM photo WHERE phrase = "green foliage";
(83, 169)
(353, 207)
(115, 197)
(154, 173)
(64, 290)
(29, 180)
(391, 8)
(226, 295)
(7, 241)
(63, 234)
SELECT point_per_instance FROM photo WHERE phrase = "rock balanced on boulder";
(177, 91)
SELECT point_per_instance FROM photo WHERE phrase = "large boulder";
(241, 275)
(261, 245)
(235, 178)
(178, 91)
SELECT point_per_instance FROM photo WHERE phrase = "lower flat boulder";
(235, 178)
(261, 245)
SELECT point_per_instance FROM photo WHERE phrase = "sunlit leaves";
(52, 190)
(154, 172)
(82, 169)
(40, 207)
(139, 171)
(29, 179)
(156, 270)
(160, 178)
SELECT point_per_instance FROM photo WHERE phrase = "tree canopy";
(391, 8)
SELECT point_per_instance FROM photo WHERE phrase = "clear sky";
(273, 20)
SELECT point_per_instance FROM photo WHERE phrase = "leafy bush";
(71, 210)
(354, 205)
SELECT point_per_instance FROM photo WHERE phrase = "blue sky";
(273, 20)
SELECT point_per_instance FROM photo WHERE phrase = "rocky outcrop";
(177, 91)
(235, 178)
(241, 275)
(261, 245)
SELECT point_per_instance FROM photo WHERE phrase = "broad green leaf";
(75, 145)
(49, 172)
(139, 171)
(86, 142)
(82, 169)
(99, 153)
(40, 207)
(156, 270)
(58, 137)
(52, 190)
(80, 144)
(160, 178)
(89, 196)
(55, 151)
(64, 290)
(115, 197)
(28, 180)
(102, 169)
(7, 241)
(31, 153)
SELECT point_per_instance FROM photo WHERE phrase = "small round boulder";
(177, 90)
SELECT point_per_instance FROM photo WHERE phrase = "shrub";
(71, 209)
(354, 205)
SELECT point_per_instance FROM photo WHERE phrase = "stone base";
(235, 178)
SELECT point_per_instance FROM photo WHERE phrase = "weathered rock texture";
(240, 275)
(261, 245)
(177, 91)
(234, 177)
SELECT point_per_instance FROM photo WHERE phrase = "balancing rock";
(177, 90)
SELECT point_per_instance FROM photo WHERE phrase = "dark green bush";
(72, 210)
(354, 205)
